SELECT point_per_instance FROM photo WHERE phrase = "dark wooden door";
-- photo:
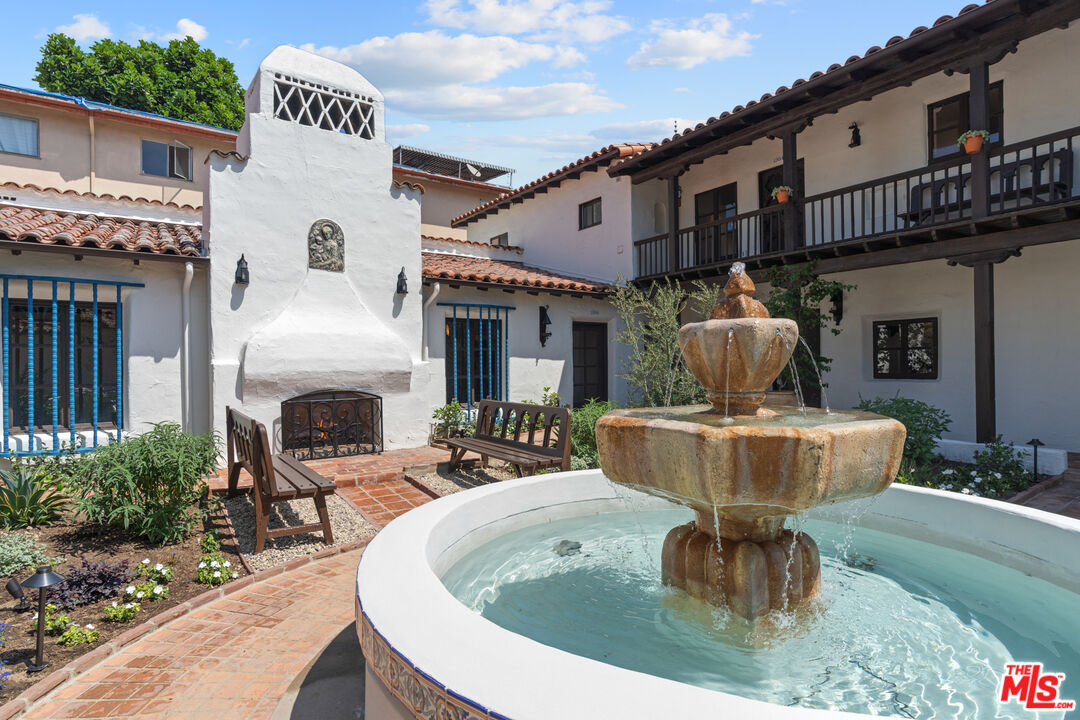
(772, 226)
(590, 362)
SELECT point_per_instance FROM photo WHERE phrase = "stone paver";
(382, 502)
(231, 658)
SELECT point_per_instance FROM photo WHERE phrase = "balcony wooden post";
(791, 175)
(985, 402)
(979, 114)
(673, 223)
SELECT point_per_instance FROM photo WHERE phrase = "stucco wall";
(152, 337)
(893, 126)
(546, 227)
(294, 329)
(532, 367)
(1036, 342)
(65, 151)
(445, 201)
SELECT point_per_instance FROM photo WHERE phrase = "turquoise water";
(902, 628)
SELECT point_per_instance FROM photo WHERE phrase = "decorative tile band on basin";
(421, 694)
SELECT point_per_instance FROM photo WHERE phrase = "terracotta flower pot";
(973, 144)
(783, 196)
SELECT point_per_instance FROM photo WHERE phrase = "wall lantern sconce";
(42, 579)
(837, 309)
(545, 320)
(856, 136)
(402, 283)
(242, 277)
(1035, 444)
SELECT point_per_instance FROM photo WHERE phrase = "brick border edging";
(70, 672)
(1025, 495)
(422, 486)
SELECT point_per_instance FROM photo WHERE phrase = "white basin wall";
(425, 650)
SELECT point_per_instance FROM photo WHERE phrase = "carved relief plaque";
(326, 246)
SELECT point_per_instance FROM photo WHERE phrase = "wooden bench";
(276, 478)
(529, 437)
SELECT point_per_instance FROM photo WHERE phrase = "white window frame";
(37, 136)
(171, 171)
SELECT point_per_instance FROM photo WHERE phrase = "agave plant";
(29, 498)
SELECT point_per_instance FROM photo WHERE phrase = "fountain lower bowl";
(425, 648)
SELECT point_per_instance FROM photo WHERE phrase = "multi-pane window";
(475, 357)
(711, 205)
(171, 161)
(589, 214)
(951, 118)
(78, 375)
(501, 239)
(18, 135)
(906, 349)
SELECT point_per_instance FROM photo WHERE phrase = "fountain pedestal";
(745, 469)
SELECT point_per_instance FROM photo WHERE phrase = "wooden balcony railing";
(1032, 173)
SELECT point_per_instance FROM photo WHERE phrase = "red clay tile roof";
(103, 196)
(510, 248)
(774, 104)
(602, 157)
(487, 271)
(48, 227)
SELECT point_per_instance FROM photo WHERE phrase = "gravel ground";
(446, 483)
(346, 523)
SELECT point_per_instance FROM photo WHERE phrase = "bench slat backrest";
(546, 429)
(250, 447)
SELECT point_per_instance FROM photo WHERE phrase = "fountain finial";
(739, 299)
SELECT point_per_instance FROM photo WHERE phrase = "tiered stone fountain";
(745, 468)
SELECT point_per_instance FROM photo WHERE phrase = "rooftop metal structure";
(448, 165)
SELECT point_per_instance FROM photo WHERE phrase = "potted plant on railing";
(972, 141)
(781, 194)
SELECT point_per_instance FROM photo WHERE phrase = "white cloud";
(681, 89)
(85, 27)
(708, 38)
(566, 56)
(639, 131)
(559, 20)
(465, 102)
(185, 28)
(429, 59)
(243, 43)
(400, 132)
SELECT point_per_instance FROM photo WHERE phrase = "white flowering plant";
(76, 635)
(214, 569)
(155, 572)
(148, 591)
(120, 612)
(55, 624)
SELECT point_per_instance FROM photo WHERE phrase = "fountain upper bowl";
(750, 472)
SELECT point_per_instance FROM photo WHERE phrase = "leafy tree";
(797, 293)
(655, 370)
(180, 80)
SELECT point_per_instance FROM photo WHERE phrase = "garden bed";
(75, 540)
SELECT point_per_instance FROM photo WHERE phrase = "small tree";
(655, 371)
(180, 80)
(797, 293)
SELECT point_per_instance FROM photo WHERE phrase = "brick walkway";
(231, 658)
(1059, 495)
(382, 502)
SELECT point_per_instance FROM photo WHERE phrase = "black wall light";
(242, 277)
(856, 136)
(837, 309)
(402, 283)
(545, 320)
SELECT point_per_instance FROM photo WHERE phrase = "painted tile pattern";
(422, 694)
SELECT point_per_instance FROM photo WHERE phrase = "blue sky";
(528, 84)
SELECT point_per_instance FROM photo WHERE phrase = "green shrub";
(22, 550)
(121, 613)
(924, 422)
(583, 430)
(55, 624)
(214, 569)
(999, 469)
(28, 497)
(148, 591)
(210, 542)
(160, 574)
(451, 420)
(76, 635)
(147, 483)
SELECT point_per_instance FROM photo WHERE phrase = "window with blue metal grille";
(85, 385)
(474, 347)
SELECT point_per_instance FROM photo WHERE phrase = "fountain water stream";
(745, 468)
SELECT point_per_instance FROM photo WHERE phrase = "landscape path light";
(42, 579)
(1035, 443)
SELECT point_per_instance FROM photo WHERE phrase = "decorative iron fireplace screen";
(332, 423)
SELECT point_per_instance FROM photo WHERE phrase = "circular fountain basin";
(747, 469)
(428, 652)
